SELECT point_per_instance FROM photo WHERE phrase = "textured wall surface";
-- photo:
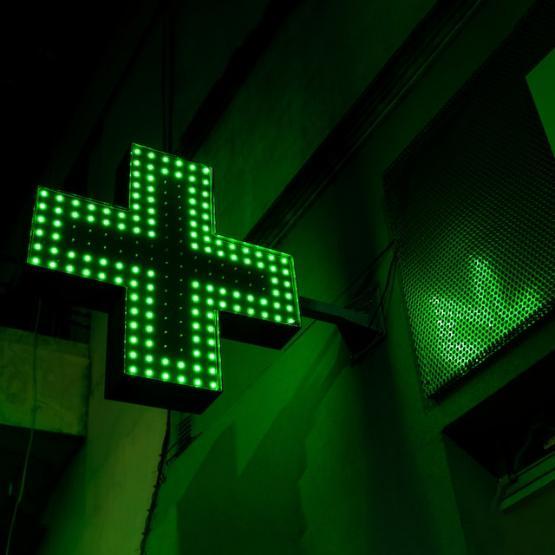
(305, 452)
(62, 379)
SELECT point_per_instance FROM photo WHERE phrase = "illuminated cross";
(178, 274)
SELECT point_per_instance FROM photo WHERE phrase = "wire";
(160, 479)
(34, 411)
(379, 307)
(360, 301)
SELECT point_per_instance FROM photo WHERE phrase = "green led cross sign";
(179, 276)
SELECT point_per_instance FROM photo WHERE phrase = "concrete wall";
(60, 367)
(305, 452)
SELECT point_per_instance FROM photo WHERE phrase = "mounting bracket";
(357, 328)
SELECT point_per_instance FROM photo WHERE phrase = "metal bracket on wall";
(357, 328)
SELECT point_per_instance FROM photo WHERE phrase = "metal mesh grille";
(473, 211)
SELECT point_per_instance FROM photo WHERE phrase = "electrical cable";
(379, 307)
(360, 301)
(160, 479)
(29, 448)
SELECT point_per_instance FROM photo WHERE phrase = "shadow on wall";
(263, 510)
(259, 510)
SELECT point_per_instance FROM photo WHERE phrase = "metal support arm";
(357, 328)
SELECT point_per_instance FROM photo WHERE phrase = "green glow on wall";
(178, 273)
(456, 334)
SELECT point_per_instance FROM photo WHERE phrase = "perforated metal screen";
(473, 209)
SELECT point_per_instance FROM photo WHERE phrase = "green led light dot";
(128, 234)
